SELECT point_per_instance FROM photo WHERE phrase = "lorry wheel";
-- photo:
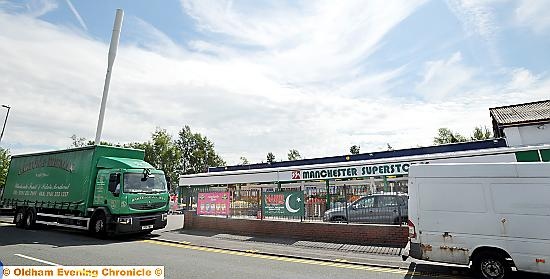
(30, 219)
(492, 265)
(99, 225)
(19, 217)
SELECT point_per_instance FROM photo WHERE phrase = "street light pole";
(110, 60)
(5, 121)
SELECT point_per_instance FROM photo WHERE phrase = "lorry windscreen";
(136, 183)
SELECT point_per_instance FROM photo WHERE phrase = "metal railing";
(343, 204)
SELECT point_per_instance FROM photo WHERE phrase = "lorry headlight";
(125, 220)
(164, 216)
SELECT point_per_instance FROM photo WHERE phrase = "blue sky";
(269, 76)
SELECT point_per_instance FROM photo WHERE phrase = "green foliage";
(81, 142)
(164, 154)
(4, 165)
(78, 141)
(294, 155)
(354, 149)
(482, 133)
(270, 158)
(189, 153)
(445, 135)
(244, 161)
(197, 152)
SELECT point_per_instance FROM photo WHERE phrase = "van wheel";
(99, 225)
(338, 219)
(30, 219)
(19, 217)
(492, 265)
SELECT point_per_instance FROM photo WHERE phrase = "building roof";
(521, 114)
(443, 148)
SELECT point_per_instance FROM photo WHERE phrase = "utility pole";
(5, 121)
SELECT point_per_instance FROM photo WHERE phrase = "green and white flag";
(283, 203)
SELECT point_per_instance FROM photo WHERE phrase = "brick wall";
(387, 235)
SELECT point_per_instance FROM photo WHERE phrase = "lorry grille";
(146, 206)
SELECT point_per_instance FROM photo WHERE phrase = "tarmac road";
(60, 247)
(232, 259)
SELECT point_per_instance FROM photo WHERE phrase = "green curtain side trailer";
(106, 190)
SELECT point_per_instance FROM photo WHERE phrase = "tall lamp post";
(5, 121)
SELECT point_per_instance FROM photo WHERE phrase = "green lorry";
(105, 190)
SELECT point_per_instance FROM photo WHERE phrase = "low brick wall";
(386, 235)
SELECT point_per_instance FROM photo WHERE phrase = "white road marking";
(37, 260)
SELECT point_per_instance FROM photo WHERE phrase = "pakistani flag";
(289, 203)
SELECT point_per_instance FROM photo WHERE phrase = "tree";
(244, 161)
(4, 165)
(270, 158)
(164, 154)
(81, 142)
(294, 155)
(445, 135)
(482, 133)
(354, 149)
(197, 152)
(78, 141)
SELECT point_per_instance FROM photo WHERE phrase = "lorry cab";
(130, 190)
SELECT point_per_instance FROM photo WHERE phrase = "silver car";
(385, 208)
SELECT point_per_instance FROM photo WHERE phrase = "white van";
(495, 216)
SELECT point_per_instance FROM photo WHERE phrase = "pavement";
(361, 255)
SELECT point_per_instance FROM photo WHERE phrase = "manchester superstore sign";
(350, 172)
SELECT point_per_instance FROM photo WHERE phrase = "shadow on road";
(57, 237)
(424, 270)
(420, 270)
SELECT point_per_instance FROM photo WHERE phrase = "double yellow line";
(336, 263)
(253, 254)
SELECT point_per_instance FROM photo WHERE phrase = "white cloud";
(521, 79)
(77, 15)
(477, 17)
(145, 35)
(304, 44)
(300, 87)
(445, 78)
(534, 14)
(31, 8)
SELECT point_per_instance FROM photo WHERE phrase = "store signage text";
(372, 170)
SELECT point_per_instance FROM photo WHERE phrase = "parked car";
(383, 208)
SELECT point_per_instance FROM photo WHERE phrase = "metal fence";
(342, 204)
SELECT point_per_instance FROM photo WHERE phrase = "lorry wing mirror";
(146, 174)
(168, 185)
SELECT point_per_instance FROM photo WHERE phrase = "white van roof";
(514, 169)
